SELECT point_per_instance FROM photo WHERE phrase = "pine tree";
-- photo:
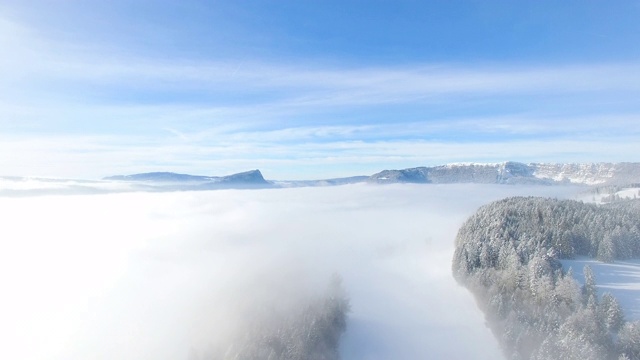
(589, 288)
(504, 254)
(611, 312)
(629, 340)
(606, 249)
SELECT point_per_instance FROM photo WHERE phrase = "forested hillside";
(508, 255)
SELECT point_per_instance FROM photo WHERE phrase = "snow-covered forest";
(508, 255)
(309, 330)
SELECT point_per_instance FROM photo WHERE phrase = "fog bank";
(166, 275)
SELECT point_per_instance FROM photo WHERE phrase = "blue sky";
(314, 89)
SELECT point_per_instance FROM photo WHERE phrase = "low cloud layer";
(141, 275)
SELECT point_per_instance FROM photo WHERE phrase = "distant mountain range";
(516, 173)
(247, 179)
(501, 173)
(594, 174)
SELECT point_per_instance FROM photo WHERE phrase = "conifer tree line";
(507, 254)
(310, 331)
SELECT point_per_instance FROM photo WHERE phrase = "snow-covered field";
(605, 196)
(629, 193)
(621, 279)
(157, 275)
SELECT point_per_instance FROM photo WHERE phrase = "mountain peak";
(251, 176)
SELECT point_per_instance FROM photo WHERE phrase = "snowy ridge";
(509, 172)
(588, 174)
(515, 173)
(463, 164)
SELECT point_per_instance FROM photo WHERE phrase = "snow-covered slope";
(621, 279)
(589, 174)
(515, 173)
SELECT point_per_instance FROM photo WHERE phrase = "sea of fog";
(165, 275)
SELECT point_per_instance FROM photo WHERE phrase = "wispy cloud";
(67, 107)
(36, 60)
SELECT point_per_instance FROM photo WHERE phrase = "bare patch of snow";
(621, 279)
(588, 174)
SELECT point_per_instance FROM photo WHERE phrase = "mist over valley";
(170, 275)
(319, 180)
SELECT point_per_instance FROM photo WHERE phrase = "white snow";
(621, 279)
(603, 196)
(588, 174)
(464, 164)
(629, 193)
